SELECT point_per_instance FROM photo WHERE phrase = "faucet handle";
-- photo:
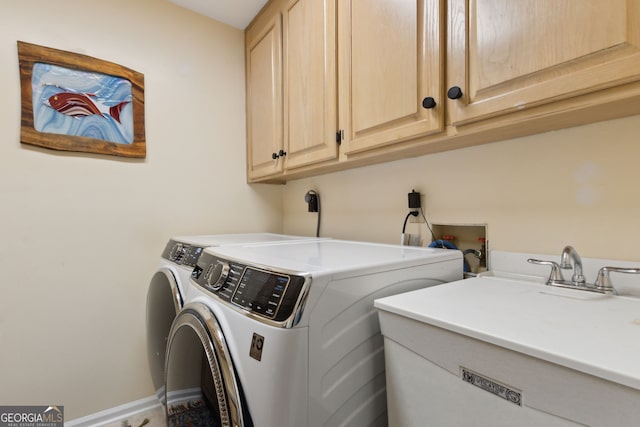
(556, 273)
(603, 282)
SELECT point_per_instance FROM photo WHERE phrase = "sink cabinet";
(507, 350)
(337, 84)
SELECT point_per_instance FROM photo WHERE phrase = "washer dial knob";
(216, 275)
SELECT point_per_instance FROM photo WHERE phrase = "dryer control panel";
(182, 253)
(267, 294)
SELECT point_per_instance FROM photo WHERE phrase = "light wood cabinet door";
(389, 63)
(508, 55)
(264, 100)
(310, 86)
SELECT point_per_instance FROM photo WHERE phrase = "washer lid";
(334, 256)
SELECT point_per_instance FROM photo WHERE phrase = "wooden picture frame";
(87, 122)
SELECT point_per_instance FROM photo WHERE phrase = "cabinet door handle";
(274, 156)
(282, 153)
(429, 103)
(454, 92)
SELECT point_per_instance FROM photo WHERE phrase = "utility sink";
(538, 355)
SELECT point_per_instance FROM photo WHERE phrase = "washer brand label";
(257, 342)
(31, 416)
(500, 390)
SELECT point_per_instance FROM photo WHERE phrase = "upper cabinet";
(390, 71)
(291, 87)
(338, 83)
(507, 55)
(264, 99)
(310, 85)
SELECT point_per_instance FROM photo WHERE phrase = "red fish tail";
(116, 109)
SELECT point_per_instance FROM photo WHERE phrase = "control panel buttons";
(182, 253)
(261, 291)
(264, 294)
(191, 256)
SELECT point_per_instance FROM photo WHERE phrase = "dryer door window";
(201, 383)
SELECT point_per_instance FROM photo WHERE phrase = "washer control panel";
(182, 253)
(262, 292)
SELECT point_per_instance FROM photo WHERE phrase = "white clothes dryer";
(285, 334)
(168, 287)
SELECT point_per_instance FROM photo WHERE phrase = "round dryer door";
(163, 303)
(201, 383)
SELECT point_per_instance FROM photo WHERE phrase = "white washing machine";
(285, 334)
(168, 286)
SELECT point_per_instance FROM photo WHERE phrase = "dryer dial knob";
(217, 274)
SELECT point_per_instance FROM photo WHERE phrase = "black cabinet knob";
(454, 92)
(274, 156)
(429, 103)
(282, 153)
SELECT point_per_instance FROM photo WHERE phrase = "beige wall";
(82, 234)
(577, 186)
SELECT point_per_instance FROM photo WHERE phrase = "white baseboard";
(116, 414)
(184, 395)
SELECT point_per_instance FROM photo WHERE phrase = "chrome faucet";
(569, 255)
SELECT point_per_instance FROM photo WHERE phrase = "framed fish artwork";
(74, 102)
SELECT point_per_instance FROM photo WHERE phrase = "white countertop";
(589, 332)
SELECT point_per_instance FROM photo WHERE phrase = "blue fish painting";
(78, 103)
